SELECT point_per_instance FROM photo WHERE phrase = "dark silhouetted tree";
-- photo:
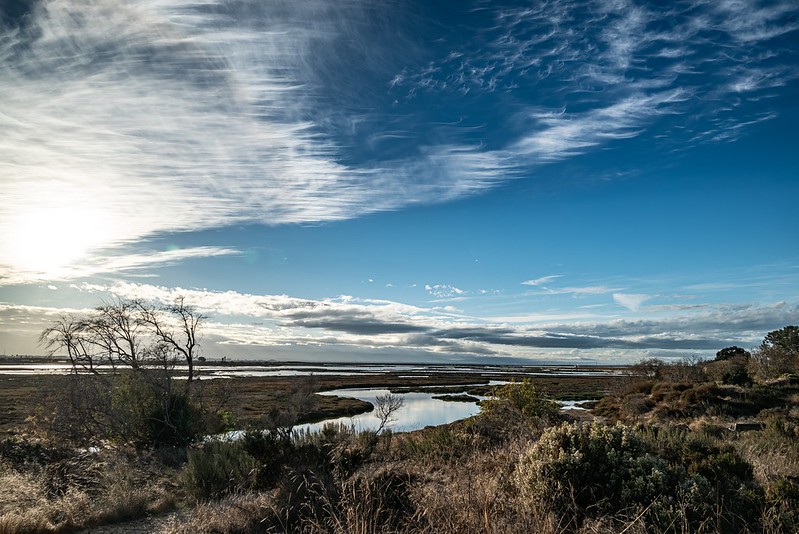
(778, 354)
(786, 339)
(139, 406)
(732, 353)
(177, 327)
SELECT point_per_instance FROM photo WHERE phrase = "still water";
(234, 371)
(419, 410)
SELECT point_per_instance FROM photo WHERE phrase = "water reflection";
(419, 410)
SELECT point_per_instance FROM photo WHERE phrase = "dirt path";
(145, 525)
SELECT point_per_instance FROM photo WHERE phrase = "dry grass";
(473, 496)
(27, 505)
(412, 497)
(235, 513)
(47, 499)
(772, 456)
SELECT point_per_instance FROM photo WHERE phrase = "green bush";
(732, 489)
(592, 470)
(173, 421)
(669, 476)
(146, 411)
(218, 468)
(517, 408)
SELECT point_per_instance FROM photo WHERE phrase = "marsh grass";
(671, 466)
(412, 486)
(43, 490)
(518, 470)
(441, 444)
(241, 513)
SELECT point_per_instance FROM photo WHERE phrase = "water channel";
(418, 411)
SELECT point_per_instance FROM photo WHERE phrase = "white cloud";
(122, 121)
(444, 290)
(631, 301)
(541, 281)
(238, 319)
(110, 263)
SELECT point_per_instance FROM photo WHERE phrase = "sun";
(48, 243)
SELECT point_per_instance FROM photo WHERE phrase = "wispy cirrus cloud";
(543, 285)
(631, 301)
(123, 121)
(563, 135)
(542, 281)
(114, 263)
(603, 71)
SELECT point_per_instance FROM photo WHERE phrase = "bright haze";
(405, 180)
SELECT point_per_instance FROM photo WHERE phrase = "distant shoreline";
(218, 362)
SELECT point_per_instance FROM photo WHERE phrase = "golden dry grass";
(29, 502)
(26, 504)
(236, 513)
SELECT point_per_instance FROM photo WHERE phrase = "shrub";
(445, 443)
(665, 476)
(731, 478)
(730, 371)
(147, 412)
(174, 421)
(274, 450)
(516, 408)
(592, 470)
(140, 408)
(639, 386)
(218, 468)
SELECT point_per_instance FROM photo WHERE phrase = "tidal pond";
(418, 411)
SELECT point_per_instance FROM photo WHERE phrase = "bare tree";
(113, 335)
(387, 407)
(141, 405)
(182, 336)
(116, 329)
(66, 334)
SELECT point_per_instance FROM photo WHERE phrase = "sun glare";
(48, 242)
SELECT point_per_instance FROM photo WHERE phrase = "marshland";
(686, 446)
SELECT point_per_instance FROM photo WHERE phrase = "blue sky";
(405, 181)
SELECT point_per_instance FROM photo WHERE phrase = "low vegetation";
(665, 452)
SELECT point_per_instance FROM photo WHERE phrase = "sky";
(405, 181)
